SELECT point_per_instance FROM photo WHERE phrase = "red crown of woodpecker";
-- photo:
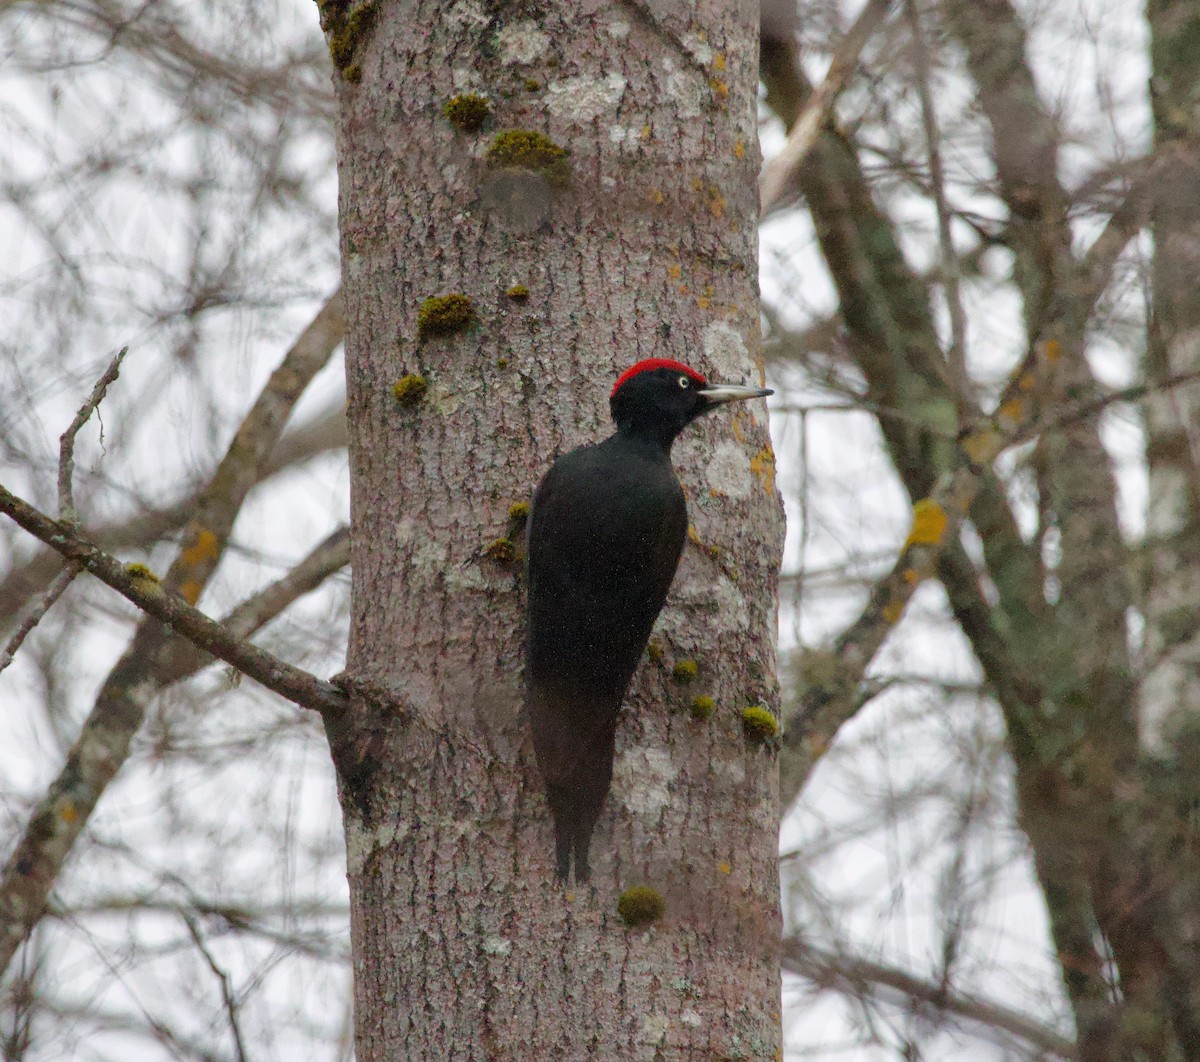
(656, 363)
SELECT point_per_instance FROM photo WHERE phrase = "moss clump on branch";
(759, 723)
(141, 574)
(441, 315)
(468, 111)
(702, 708)
(530, 150)
(640, 905)
(503, 550)
(347, 31)
(410, 389)
(518, 293)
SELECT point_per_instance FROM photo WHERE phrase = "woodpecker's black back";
(605, 534)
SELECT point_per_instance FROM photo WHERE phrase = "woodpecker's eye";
(684, 382)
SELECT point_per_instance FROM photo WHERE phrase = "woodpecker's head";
(658, 398)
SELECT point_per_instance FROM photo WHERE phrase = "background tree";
(996, 181)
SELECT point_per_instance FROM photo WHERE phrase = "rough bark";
(462, 942)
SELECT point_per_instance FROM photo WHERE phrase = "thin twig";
(52, 594)
(226, 988)
(937, 179)
(777, 175)
(66, 442)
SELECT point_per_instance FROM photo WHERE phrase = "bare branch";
(831, 695)
(66, 442)
(779, 174)
(853, 975)
(104, 742)
(52, 594)
(144, 589)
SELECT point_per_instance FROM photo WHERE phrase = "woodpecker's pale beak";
(718, 393)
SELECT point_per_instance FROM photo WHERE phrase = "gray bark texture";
(640, 242)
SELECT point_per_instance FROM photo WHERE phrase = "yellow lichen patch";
(697, 185)
(1051, 350)
(759, 723)
(1012, 411)
(719, 87)
(640, 905)
(203, 549)
(719, 61)
(735, 425)
(716, 204)
(67, 811)
(1026, 381)
(982, 445)
(190, 591)
(739, 150)
(656, 197)
(646, 132)
(929, 524)
(911, 576)
(654, 650)
(702, 302)
(762, 464)
(674, 271)
(892, 612)
(723, 867)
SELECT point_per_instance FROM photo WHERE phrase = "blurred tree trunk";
(638, 242)
(1113, 857)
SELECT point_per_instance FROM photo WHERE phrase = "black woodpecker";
(605, 534)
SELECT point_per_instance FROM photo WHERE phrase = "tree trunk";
(639, 242)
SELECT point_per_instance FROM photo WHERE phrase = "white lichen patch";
(654, 1028)
(468, 13)
(691, 1019)
(429, 558)
(698, 48)
(496, 946)
(732, 770)
(470, 577)
(582, 98)
(442, 400)
(722, 598)
(406, 533)
(642, 779)
(362, 843)
(728, 472)
(726, 350)
(522, 42)
(685, 89)
(618, 29)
